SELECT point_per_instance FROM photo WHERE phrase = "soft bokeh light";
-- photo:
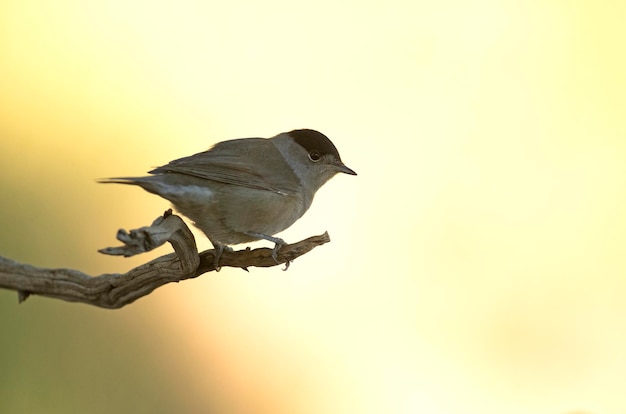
(476, 263)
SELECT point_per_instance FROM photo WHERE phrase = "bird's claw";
(275, 250)
(219, 249)
(277, 247)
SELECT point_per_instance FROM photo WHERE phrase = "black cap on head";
(313, 141)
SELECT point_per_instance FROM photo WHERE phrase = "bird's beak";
(342, 168)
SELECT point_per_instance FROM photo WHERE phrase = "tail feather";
(120, 180)
(147, 183)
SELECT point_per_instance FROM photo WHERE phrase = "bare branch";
(116, 290)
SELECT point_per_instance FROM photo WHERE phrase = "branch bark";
(115, 290)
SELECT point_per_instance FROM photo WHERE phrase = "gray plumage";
(246, 189)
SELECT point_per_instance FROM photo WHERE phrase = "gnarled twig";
(116, 290)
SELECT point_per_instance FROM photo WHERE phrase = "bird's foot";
(219, 249)
(278, 243)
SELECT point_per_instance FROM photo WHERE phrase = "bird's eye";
(314, 156)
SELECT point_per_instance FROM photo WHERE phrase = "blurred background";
(476, 262)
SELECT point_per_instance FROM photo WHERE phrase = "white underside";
(189, 192)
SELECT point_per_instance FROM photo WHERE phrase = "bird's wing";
(254, 163)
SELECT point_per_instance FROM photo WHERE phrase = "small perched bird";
(246, 189)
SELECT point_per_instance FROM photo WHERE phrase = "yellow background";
(477, 261)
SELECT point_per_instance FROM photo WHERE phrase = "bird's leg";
(219, 249)
(278, 243)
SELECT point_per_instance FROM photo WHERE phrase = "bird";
(246, 189)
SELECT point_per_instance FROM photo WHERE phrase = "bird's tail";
(147, 183)
(119, 180)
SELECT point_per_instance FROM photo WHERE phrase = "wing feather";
(248, 162)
